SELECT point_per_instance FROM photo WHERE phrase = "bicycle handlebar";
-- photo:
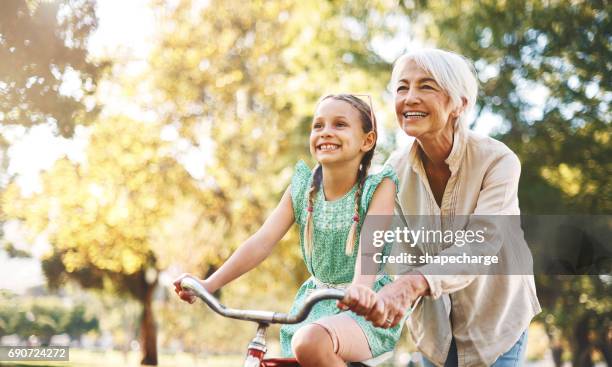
(260, 316)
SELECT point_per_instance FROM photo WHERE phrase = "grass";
(82, 358)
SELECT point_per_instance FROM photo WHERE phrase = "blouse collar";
(454, 158)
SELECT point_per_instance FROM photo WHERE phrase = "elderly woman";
(467, 319)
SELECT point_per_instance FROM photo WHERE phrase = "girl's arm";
(382, 204)
(359, 296)
(252, 252)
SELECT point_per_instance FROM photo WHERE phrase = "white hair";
(453, 72)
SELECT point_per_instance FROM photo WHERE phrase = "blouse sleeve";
(372, 182)
(299, 186)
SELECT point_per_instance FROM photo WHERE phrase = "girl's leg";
(312, 346)
(336, 338)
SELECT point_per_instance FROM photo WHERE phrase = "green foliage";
(556, 52)
(44, 317)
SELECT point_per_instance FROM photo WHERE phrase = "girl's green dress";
(328, 263)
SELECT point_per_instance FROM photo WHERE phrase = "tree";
(99, 215)
(556, 52)
(42, 45)
(45, 74)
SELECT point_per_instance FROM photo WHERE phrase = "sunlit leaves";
(102, 213)
(44, 70)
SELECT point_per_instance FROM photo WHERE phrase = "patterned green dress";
(328, 263)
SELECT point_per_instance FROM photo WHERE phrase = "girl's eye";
(341, 124)
(316, 126)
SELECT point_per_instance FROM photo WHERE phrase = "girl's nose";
(326, 131)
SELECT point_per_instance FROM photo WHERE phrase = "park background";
(141, 139)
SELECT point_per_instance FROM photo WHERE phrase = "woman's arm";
(252, 252)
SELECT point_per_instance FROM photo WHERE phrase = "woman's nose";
(411, 97)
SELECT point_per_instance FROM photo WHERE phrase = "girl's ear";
(369, 141)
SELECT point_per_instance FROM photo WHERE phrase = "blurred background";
(145, 138)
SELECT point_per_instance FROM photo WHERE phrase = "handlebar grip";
(196, 287)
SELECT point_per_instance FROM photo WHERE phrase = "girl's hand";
(184, 294)
(358, 298)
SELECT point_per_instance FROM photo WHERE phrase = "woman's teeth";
(328, 147)
(414, 115)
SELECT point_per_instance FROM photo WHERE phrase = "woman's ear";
(369, 141)
(460, 109)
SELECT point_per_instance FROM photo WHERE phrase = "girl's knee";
(311, 341)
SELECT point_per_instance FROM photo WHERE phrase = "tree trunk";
(581, 349)
(556, 348)
(148, 331)
(604, 342)
(557, 352)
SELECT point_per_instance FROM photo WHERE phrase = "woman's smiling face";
(422, 107)
(337, 133)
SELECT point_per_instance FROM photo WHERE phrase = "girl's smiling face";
(337, 134)
(422, 107)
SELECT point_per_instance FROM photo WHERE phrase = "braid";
(317, 175)
(362, 174)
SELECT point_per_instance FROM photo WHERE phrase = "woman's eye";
(401, 88)
(426, 86)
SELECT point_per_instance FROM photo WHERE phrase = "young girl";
(330, 205)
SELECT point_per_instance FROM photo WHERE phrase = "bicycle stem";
(257, 347)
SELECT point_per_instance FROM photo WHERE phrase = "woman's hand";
(358, 298)
(396, 299)
(185, 294)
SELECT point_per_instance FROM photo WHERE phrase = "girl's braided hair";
(368, 123)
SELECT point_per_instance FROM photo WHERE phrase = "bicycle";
(257, 349)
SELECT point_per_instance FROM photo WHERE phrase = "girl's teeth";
(328, 147)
